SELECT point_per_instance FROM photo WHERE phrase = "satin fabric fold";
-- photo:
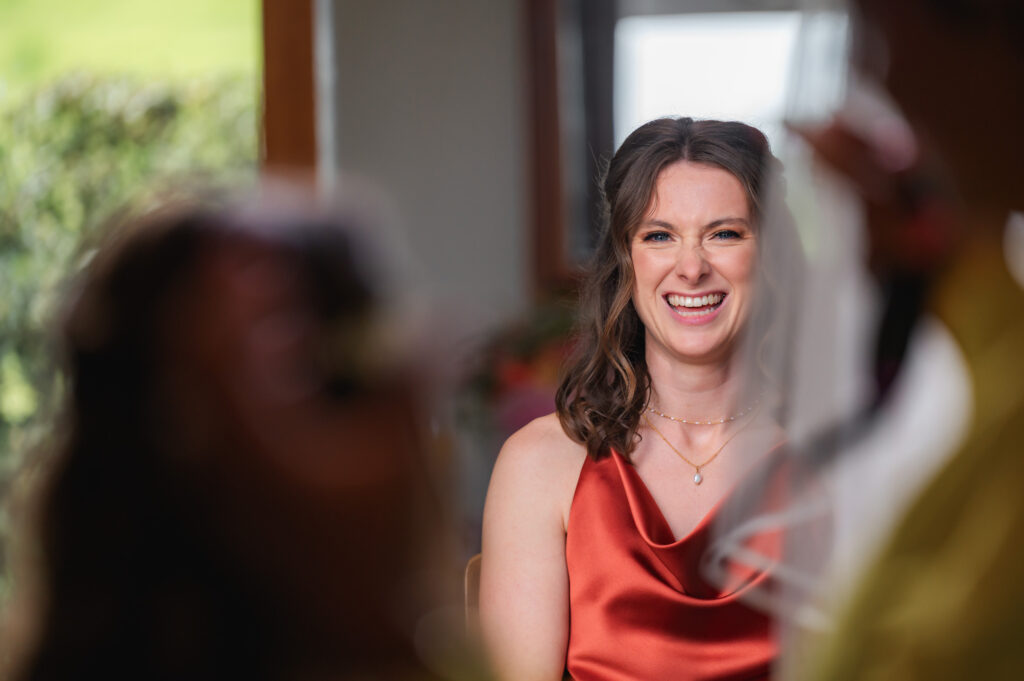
(639, 607)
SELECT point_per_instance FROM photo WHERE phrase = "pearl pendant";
(698, 478)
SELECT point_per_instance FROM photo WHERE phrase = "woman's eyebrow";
(728, 221)
(658, 223)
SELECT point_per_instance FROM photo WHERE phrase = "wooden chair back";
(472, 592)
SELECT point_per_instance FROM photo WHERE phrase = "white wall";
(425, 100)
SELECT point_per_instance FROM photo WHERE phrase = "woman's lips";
(703, 300)
(698, 309)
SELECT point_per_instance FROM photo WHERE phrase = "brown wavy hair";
(606, 383)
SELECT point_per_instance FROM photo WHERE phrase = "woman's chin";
(699, 353)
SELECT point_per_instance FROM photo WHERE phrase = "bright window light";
(728, 65)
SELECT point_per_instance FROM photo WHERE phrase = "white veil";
(854, 457)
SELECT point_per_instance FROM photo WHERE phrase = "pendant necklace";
(698, 477)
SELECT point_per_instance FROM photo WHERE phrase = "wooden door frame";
(548, 235)
(288, 130)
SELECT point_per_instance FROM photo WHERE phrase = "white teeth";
(695, 313)
(699, 301)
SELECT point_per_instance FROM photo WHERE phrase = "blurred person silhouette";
(243, 489)
(944, 598)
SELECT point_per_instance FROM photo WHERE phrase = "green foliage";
(42, 39)
(71, 154)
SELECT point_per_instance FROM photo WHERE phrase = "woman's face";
(694, 260)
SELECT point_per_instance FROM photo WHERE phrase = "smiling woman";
(694, 260)
(595, 533)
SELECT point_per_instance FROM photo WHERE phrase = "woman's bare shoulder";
(543, 443)
(539, 462)
(524, 583)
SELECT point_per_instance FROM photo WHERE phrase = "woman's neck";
(694, 391)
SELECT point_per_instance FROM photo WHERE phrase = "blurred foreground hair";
(240, 491)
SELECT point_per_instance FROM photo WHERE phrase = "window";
(727, 65)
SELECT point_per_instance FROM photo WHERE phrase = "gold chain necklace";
(710, 422)
(698, 477)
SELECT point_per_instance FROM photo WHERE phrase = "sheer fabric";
(910, 514)
(955, 556)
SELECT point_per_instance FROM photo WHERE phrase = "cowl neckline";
(684, 556)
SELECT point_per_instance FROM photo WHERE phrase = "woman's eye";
(657, 236)
(726, 235)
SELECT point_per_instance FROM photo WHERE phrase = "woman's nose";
(691, 263)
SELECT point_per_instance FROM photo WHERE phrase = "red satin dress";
(639, 608)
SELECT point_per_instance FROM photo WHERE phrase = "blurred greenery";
(43, 39)
(71, 154)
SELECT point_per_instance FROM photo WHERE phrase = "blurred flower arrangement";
(518, 369)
